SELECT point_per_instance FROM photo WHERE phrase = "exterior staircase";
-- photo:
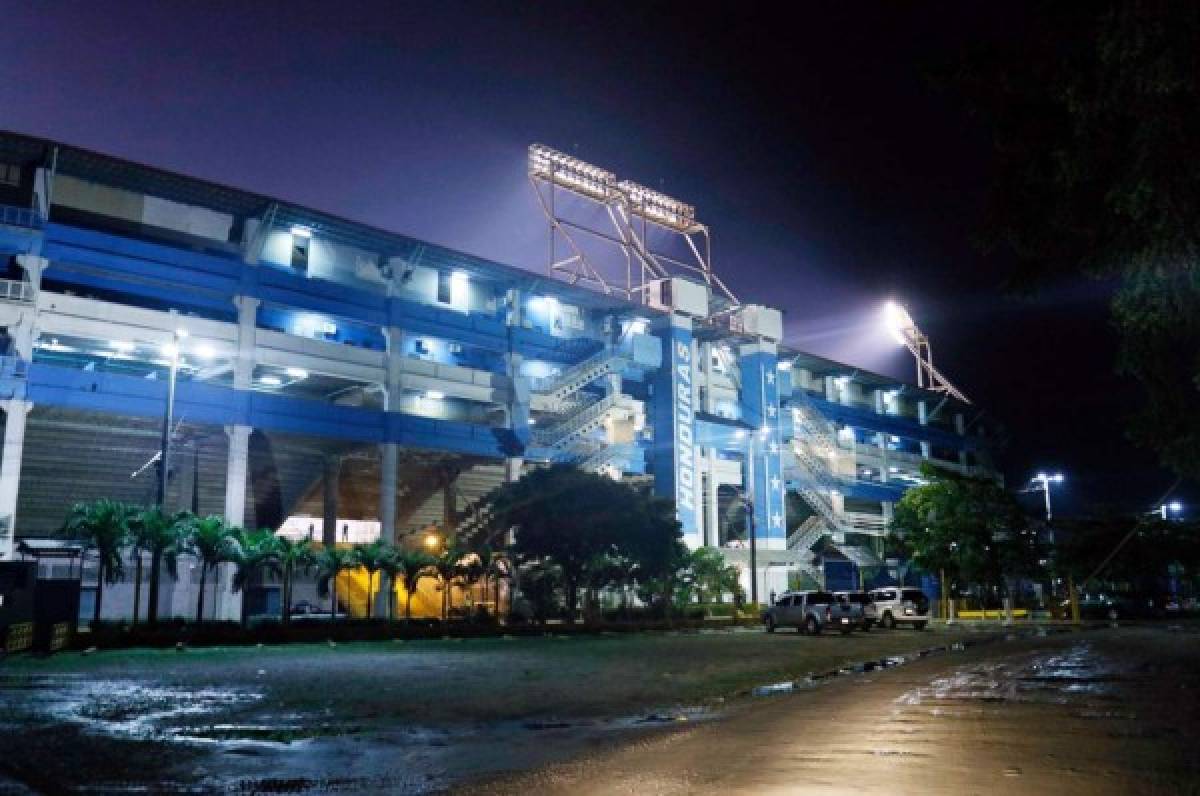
(559, 388)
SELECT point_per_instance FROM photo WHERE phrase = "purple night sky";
(830, 171)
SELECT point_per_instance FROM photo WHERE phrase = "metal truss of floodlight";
(631, 210)
(905, 332)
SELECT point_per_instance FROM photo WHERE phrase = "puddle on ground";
(1077, 674)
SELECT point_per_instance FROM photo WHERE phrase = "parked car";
(865, 606)
(895, 605)
(810, 612)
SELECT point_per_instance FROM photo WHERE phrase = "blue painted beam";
(890, 424)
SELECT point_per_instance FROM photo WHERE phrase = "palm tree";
(291, 557)
(412, 566)
(211, 542)
(371, 557)
(162, 535)
(500, 566)
(448, 567)
(102, 526)
(255, 551)
(330, 562)
(390, 567)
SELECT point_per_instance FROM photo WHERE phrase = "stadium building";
(326, 378)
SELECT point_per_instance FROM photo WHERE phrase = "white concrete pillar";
(512, 468)
(712, 521)
(923, 419)
(235, 474)
(15, 412)
(884, 474)
(329, 500)
(227, 604)
(388, 465)
(243, 366)
(33, 267)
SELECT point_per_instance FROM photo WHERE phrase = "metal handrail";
(20, 217)
(16, 290)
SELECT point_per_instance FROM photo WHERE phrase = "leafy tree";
(330, 562)
(372, 557)
(290, 558)
(256, 551)
(1139, 551)
(576, 521)
(163, 535)
(212, 543)
(710, 576)
(1095, 115)
(102, 526)
(970, 528)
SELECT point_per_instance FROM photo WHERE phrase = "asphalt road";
(1111, 711)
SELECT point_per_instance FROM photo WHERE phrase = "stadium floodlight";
(904, 330)
(899, 323)
(658, 207)
(571, 172)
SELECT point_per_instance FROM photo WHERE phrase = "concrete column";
(389, 455)
(243, 366)
(712, 520)
(960, 426)
(329, 504)
(883, 457)
(235, 474)
(33, 267)
(15, 412)
(227, 604)
(512, 469)
(923, 419)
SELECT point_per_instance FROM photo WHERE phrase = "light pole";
(164, 450)
(1042, 482)
(1166, 509)
(749, 501)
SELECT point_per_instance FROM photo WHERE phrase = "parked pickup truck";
(866, 612)
(811, 612)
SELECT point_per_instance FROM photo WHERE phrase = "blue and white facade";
(336, 376)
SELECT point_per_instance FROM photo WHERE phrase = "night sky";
(831, 169)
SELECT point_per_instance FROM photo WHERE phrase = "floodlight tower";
(632, 213)
(906, 333)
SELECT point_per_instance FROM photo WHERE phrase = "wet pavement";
(1109, 711)
(1114, 711)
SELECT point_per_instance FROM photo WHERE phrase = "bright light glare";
(205, 351)
(297, 373)
(899, 323)
(124, 346)
(270, 381)
(432, 540)
(784, 366)
(1040, 477)
(1175, 506)
(1058, 478)
(301, 232)
(171, 350)
(181, 334)
(435, 395)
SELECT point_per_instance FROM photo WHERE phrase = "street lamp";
(1042, 482)
(1166, 509)
(172, 350)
